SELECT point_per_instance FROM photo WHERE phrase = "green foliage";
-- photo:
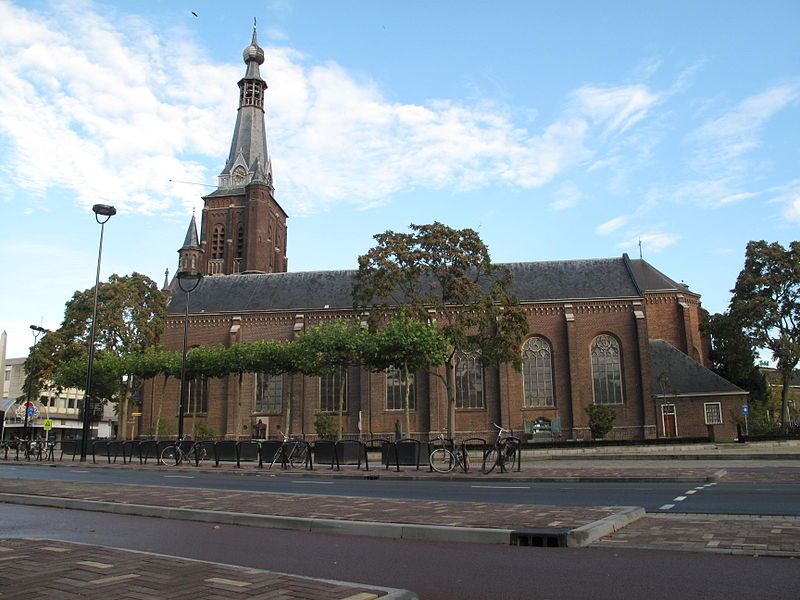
(766, 301)
(325, 427)
(444, 274)
(163, 428)
(404, 343)
(733, 356)
(202, 431)
(601, 419)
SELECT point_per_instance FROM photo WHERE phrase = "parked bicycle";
(444, 460)
(293, 452)
(175, 454)
(502, 453)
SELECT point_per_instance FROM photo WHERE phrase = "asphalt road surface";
(432, 570)
(722, 498)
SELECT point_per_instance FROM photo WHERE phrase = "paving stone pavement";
(49, 569)
(383, 510)
(731, 534)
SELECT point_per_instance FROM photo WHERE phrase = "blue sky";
(559, 130)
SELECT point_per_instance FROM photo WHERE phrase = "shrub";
(202, 431)
(162, 428)
(601, 419)
(325, 427)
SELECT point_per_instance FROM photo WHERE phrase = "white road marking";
(689, 492)
(316, 482)
(679, 499)
(503, 487)
(76, 471)
(667, 507)
(179, 476)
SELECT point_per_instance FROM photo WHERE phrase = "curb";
(576, 538)
(585, 535)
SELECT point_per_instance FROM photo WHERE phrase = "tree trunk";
(450, 385)
(160, 406)
(342, 385)
(407, 402)
(787, 378)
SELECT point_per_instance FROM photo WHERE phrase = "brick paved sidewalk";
(45, 569)
(372, 510)
(730, 534)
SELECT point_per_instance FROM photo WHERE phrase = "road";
(432, 570)
(756, 498)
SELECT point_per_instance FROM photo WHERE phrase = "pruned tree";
(444, 275)
(406, 345)
(331, 348)
(766, 300)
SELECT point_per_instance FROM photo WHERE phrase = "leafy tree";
(733, 357)
(331, 348)
(130, 317)
(766, 300)
(601, 419)
(324, 426)
(409, 346)
(445, 275)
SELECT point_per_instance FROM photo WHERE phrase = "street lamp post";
(37, 331)
(192, 279)
(107, 211)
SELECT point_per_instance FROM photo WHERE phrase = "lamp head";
(105, 210)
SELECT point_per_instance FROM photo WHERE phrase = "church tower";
(243, 228)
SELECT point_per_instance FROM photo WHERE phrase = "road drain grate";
(540, 538)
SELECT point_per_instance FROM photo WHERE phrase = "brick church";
(612, 331)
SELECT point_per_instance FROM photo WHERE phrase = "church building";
(613, 331)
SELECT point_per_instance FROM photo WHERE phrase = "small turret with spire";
(190, 255)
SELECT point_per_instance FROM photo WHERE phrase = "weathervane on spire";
(640, 248)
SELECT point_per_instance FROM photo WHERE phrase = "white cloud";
(123, 108)
(567, 196)
(789, 197)
(612, 225)
(652, 241)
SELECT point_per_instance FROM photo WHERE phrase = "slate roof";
(533, 281)
(684, 375)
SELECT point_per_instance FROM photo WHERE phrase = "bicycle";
(174, 454)
(293, 452)
(444, 460)
(502, 453)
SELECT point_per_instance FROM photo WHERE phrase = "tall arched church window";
(606, 370)
(198, 395)
(329, 393)
(537, 373)
(469, 381)
(396, 386)
(269, 393)
(218, 242)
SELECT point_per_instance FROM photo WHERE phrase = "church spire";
(191, 253)
(248, 159)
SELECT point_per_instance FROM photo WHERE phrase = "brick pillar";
(648, 406)
(577, 417)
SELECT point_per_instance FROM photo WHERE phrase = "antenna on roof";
(640, 248)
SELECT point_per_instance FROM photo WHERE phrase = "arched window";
(218, 242)
(396, 390)
(606, 370)
(537, 373)
(469, 381)
(329, 393)
(198, 395)
(240, 241)
(269, 393)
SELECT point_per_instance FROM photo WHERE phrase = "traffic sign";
(47, 424)
(30, 411)
(745, 409)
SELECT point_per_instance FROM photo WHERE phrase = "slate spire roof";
(191, 241)
(248, 159)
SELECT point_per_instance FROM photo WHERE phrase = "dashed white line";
(503, 487)
(667, 507)
(179, 476)
(76, 471)
(679, 499)
(315, 482)
(689, 492)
